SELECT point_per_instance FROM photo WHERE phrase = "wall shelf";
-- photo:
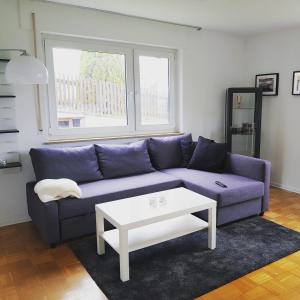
(8, 144)
(11, 165)
(9, 131)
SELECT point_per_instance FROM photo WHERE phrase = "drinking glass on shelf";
(3, 162)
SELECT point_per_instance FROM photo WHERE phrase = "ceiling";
(236, 16)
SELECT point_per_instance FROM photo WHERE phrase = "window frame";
(131, 53)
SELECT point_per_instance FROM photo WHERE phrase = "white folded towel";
(55, 189)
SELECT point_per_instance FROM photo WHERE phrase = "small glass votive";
(3, 162)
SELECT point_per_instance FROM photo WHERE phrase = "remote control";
(221, 184)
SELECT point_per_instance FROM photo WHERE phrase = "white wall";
(278, 52)
(209, 63)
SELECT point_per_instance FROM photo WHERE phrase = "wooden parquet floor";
(279, 280)
(30, 270)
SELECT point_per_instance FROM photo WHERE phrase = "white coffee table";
(150, 219)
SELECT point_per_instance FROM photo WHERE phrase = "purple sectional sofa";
(111, 172)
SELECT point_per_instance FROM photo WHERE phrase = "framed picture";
(268, 83)
(296, 83)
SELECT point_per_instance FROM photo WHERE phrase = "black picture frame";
(271, 83)
(296, 84)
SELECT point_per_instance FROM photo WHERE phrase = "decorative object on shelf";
(3, 163)
(9, 160)
(296, 83)
(243, 120)
(238, 100)
(268, 82)
(25, 69)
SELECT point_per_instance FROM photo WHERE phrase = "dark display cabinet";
(243, 120)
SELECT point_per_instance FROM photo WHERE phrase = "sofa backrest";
(95, 162)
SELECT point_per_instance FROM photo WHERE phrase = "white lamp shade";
(25, 69)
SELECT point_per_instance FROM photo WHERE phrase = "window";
(90, 88)
(100, 88)
(154, 90)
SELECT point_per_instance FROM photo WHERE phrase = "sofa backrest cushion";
(208, 156)
(77, 163)
(124, 159)
(166, 152)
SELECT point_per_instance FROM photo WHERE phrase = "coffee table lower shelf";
(155, 233)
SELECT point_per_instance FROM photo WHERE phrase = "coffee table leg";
(212, 228)
(124, 255)
(100, 230)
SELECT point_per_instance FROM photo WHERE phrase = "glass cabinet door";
(243, 124)
(243, 117)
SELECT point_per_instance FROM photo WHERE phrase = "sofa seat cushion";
(239, 188)
(114, 189)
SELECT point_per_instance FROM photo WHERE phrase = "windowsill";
(106, 138)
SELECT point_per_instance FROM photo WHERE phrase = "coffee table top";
(150, 208)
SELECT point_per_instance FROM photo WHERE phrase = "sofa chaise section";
(247, 193)
(254, 168)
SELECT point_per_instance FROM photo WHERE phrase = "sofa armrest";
(254, 168)
(44, 216)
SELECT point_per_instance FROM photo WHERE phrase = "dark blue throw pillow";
(166, 152)
(77, 163)
(208, 156)
(124, 160)
(188, 148)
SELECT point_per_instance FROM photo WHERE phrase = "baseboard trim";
(10, 222)
(285, 187)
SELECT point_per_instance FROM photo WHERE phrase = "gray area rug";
(184, 268)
